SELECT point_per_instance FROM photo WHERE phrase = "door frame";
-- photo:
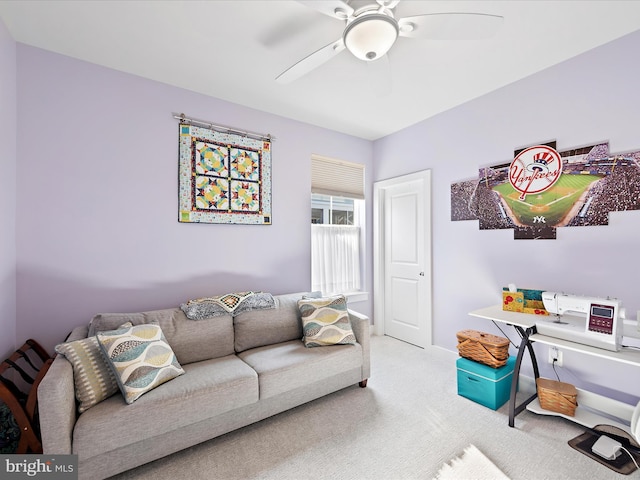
(379, 189)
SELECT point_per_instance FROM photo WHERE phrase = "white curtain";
(335, 258)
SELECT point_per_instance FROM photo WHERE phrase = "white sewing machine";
(593, 321)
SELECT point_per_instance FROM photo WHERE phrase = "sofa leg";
(363, 383)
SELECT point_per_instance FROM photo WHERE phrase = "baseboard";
(526, 384)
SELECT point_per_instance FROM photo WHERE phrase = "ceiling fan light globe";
(371, 36)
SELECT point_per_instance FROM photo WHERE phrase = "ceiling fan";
(371, 30)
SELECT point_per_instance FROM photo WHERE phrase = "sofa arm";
(57, 407)
(361, 328)
(57, 403)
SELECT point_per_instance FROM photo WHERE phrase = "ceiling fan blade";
(286, 30)
(334, 8)
(310, 62)
(388, 3)
(450, 26)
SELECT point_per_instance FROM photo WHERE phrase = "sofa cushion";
(257, 328)
(191, 341)
(287, 366)
(140, 357)
(325, 321)
(208, 388)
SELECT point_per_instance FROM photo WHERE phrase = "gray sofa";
(238, 370)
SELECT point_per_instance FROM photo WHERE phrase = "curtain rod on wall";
(242, 133)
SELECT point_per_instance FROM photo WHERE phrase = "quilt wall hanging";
(543, 189)
(224, 176)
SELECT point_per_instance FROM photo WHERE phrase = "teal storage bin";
(483, 384)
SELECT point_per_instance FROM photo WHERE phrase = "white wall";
(587, 99)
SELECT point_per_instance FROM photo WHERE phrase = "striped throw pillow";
(92, 376)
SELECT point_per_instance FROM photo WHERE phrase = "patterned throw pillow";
(140, 357)
(94, 381)
(325, 321)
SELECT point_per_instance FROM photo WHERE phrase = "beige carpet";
(406, 424)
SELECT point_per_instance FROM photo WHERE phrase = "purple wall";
(7, 193)
(97, 224)
(587, 99)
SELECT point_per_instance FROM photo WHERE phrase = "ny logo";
(539, 219)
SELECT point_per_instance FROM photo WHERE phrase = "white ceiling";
(234, 50)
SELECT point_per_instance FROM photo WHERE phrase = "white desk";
(524, 324)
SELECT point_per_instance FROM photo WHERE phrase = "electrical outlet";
(555, 354)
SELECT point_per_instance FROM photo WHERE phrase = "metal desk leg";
(534, 361)
(524, 344)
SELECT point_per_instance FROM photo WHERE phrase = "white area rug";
(471, 465)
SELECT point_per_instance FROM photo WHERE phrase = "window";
(337, 207)
(330, 210)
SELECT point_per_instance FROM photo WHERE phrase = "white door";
(403, 255)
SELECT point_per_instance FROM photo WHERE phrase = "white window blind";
(337, 177)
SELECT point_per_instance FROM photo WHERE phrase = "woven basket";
(557, 396)
(483, 347)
